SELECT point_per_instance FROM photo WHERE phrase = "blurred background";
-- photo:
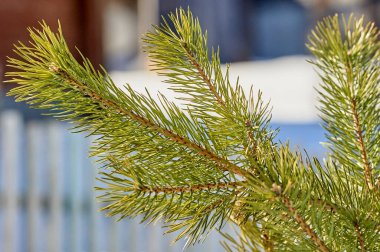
(47, 200)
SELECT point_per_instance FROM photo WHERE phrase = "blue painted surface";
(303, 136)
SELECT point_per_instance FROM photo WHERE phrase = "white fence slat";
(34, 145)
(11, 136)
(155, 241)
(133, 238)
(179, 245)
(93, 224)
(169, 238)
(113, 235)
(55, 179)
(93, 214)
(211, 242)
(75, 169)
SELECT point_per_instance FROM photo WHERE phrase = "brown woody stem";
(213, 90)
(298, 218)
(267, 242)
(305, 227)
(363, 151)
(360, 237)
(181, 189)
(204, 76)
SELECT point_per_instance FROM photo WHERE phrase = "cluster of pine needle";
(217, 160)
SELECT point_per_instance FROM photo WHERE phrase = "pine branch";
(252, 150)
(208, 93)
(299, 219)
(201, 72)
(223, 164)
(217, 161)
(288, 175)
(305, 227)
(131, 127)
(363, 150)
(358, 128)
(350, 95)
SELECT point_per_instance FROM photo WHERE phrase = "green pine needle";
(217, 160)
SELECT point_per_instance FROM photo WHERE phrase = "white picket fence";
(47, 200)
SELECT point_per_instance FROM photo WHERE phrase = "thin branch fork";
(222, 163)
